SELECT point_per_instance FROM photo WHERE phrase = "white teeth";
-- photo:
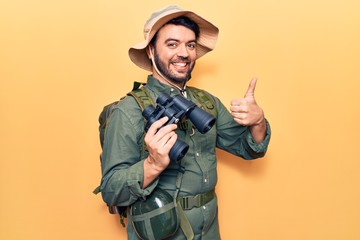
(180, 64)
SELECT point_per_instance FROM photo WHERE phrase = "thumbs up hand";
(246, 112)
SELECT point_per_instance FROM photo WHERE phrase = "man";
(174, 40)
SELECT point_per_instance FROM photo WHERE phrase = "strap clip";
(198, 200)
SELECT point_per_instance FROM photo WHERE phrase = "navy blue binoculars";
(176, 109)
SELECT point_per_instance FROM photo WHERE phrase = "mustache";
(181, 59)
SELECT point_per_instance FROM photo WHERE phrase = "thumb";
(251, 88)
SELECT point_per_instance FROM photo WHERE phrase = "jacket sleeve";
(237, 139)
(122, 160)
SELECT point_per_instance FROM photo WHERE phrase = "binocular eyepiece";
(177, 108)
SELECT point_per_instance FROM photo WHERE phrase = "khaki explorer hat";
(206, 41)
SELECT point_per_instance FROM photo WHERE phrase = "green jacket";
(122, 161)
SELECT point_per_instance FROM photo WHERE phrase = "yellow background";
(62, 61)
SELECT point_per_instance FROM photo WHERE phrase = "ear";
(150, 51)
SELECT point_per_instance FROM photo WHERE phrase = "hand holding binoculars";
(176, 109)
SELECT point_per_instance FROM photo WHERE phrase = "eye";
(192, 45)
(172, 44)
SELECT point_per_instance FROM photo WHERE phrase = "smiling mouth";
(181, 65)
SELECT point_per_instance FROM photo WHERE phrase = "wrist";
(261, 122)
(258, 131)
(152, 166)
(151, 172)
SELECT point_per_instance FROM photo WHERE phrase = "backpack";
(142, 97)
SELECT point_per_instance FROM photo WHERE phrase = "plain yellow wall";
(62, 61)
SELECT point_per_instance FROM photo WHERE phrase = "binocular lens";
(148, 111)
(178, 151)
(163, 98)
(203, 121)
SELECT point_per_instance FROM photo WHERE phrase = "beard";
(170, 76)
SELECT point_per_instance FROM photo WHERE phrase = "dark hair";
(182, 21)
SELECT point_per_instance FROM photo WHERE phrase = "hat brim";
(205, 43)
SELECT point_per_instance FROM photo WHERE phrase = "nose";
(183, 51)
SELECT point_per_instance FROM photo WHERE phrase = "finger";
(157, 124)
(251, 88)
(237, 102)
(161, 138)
(239, 108)
(239, 115)
(166, 129)
(242, 119)
(170, 142)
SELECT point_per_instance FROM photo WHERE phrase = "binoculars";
(176, 109)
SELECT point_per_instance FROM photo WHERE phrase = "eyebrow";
(177, 40)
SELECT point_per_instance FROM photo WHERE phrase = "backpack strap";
(184, 221)
(138, 85)
(205, 99)
(143, 98)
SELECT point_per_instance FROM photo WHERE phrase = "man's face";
(175, 52)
